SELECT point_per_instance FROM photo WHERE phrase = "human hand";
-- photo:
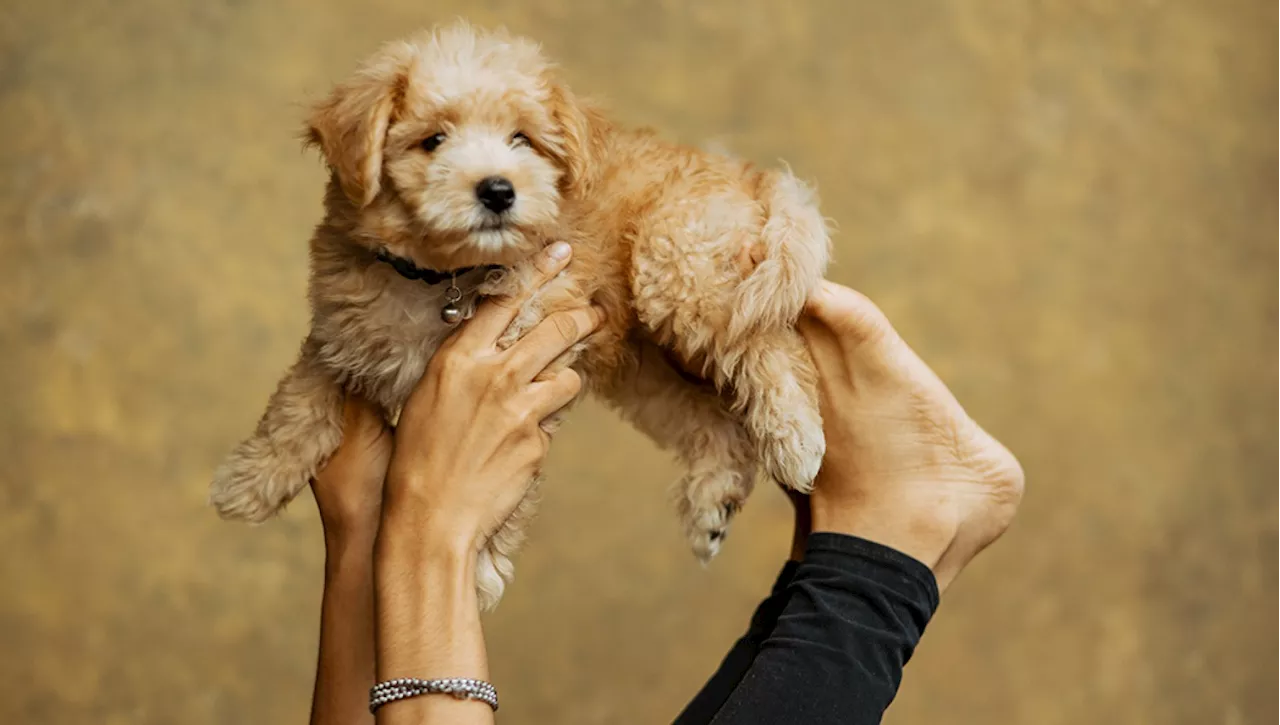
(905, 466)
(469, 441)
(348, 490)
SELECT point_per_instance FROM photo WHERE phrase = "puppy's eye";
(431, 143)
(519, 139)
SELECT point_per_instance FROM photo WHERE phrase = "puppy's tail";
(792, 256)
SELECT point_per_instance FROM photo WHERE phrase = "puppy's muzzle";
(496, 193)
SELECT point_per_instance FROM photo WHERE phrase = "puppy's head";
(455, 147)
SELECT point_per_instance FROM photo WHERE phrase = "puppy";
(454, 156)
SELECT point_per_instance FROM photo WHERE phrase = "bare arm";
(425, 584)
(348, 493)
(906, 469)
(442, 506)
(400, 578)
(429, 625)
(345, 667)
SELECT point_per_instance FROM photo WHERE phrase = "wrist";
(419, 505)
(922, 535)
(341, 538)
(411, 532)
(407, 558)
(347, 564)
(396, 558)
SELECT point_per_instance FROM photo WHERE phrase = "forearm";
(428, 622)
(345, 667)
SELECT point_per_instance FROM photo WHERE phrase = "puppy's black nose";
(496, 193)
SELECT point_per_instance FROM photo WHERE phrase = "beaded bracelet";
(462, 688)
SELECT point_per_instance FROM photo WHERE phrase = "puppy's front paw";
(792, 451)
(253, 484)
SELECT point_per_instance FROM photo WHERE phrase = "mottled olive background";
(1069, 207)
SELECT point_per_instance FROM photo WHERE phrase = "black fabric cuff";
(894, 567)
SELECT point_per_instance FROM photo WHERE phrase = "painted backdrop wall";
(1068, 207)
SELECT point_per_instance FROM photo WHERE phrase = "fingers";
(494, 314)
(551, 337)
(548, 396)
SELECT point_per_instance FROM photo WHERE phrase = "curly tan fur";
(694, 257)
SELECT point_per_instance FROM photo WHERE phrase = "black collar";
(409, 270)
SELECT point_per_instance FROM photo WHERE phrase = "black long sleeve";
(843, 622)
(713, 695)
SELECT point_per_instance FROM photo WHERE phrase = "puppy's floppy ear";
(350, 128)
(581, 130)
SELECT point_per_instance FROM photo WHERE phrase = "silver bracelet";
(462, 688)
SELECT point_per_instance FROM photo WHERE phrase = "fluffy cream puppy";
(454, 156)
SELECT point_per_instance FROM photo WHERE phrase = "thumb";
(848, 313)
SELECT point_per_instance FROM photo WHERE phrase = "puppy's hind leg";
(692, 421)
(695, 295)
(774, 385)
(760, 354)
(300, 429)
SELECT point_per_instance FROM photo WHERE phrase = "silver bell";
(451, 314)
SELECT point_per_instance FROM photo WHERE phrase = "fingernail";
(559, 251)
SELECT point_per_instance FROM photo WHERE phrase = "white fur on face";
(440, 186)
(478, 93)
